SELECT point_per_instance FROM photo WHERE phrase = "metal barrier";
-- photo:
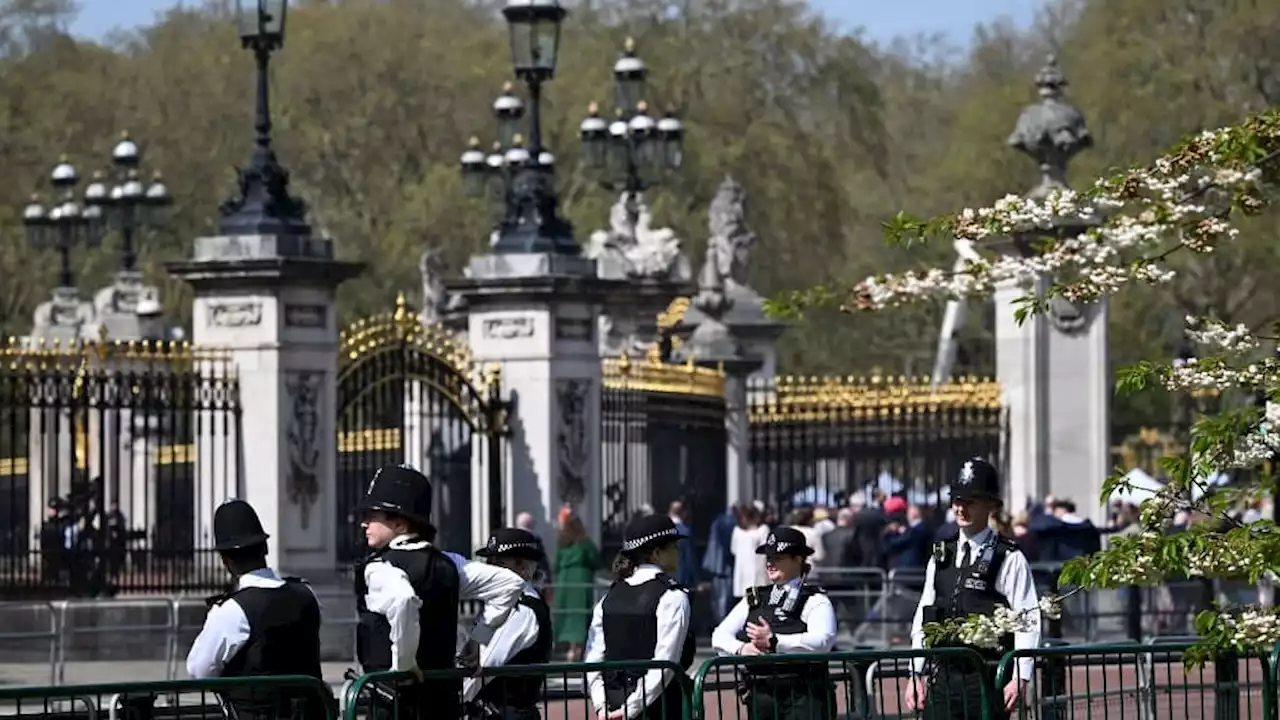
(278, 698)
(844, 685)
(12, 618)
(1145, 681)
(564, 693)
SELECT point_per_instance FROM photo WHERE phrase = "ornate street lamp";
(263, 205)
(520, 177)
(125, 202)
(635, 149)
(65, 222)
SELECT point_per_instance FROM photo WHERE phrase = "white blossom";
(1148, 214)
(1252, 628)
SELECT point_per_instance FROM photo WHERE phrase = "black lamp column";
(263, 205)
(128, 205)
(65, 222)
(634, 150)
(523, 179)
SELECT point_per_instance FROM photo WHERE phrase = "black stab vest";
(971, 590)
(783, 621)
(435, 581)
(523, 692)
(629, 616)
(284, 639)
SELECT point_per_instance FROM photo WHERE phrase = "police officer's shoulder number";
(813, 588)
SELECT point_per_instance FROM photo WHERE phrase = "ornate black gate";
(406, 394)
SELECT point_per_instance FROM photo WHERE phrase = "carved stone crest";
(572, 451)
(1069, 318)
(304, 390)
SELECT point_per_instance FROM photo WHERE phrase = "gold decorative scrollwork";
(1145, 448)
(814, 398)
(368, 335)
(653, 375)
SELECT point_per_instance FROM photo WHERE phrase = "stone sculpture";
(1051, 131)
(632, 249)
(434, 297)
(636, 247)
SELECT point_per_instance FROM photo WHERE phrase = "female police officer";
(524, 639)
(644, 616)
(973, 574)
(787, 616)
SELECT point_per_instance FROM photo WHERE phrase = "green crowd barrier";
(857, 685)
(1141, 680)
(565, 693)
(248, 698)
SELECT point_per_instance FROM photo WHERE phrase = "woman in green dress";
(577, 561)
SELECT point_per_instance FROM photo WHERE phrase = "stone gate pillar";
(269, 302)
(535, 316)
(1053, 369)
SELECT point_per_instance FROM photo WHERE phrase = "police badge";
(939, 552)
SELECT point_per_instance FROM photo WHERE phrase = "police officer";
(973, 574)
(407, 594)
(787, 616)
(266, 625)
(644, 616)
(524, 639)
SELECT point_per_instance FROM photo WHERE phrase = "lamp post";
(65, 222)
(263, 205)
(634, 150)
(521, 176)
(125, 202)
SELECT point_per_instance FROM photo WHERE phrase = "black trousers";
(956, 691)
(430, 700)
(489, 711)
(788, 697)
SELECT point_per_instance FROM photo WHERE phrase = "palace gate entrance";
(409, 393)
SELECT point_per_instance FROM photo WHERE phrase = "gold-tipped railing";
(652, 375)
(792, 398)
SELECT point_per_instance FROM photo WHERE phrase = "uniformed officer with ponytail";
(524, 639)
(266, 625)
(644, 616)
(407, 594)
(974, 574)
(788, 616)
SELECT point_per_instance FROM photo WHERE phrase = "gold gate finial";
(402, 307)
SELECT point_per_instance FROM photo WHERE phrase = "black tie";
(964, 555)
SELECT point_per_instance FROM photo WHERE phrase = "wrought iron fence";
(112, 458)
(663, 435)
(816, 440)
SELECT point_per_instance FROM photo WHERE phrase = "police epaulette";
(214, 600)
(293, 578)
(813, 588)
(674, 584)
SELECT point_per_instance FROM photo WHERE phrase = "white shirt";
(519, 632)
(390, 594)
(226, 628)
(673, 625)
(1014, 582)
(818, 615)
(748, 565)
